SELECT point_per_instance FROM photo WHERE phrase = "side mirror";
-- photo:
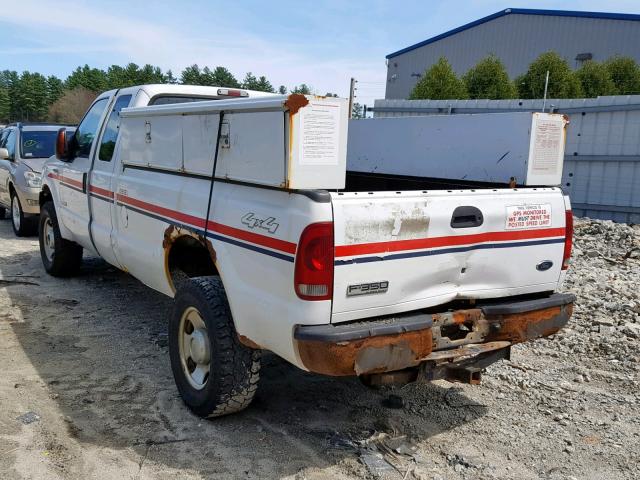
(62, 145)
(4, 154)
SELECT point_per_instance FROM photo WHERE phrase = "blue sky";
(321, 43)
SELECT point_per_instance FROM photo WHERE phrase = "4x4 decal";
(269, 224)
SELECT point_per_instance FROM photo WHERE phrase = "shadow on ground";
(99, 342)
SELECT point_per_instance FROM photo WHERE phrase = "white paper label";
(320, 134)
(528, 216)
(547, 146)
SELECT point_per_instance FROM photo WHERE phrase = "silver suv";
(24, 147)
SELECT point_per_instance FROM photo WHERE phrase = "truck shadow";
(98, 341)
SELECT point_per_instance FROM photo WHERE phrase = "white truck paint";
(338, 283)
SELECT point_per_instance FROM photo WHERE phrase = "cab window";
(10, 144)
(3, 138)
(108, 143)
(86, 132)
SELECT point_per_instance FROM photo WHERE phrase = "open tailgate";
(401, 251)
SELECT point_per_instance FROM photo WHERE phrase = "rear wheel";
(60, 257)
(22, 225)
(215, 374)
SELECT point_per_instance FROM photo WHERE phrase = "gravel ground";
(86, 391)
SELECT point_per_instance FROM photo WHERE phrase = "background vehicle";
(244, 212)
(24, 147)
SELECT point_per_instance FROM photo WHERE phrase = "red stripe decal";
(268, 242)
(453, 240)
(256, 238)
(101, 191)
(68, 180)
(166, 212)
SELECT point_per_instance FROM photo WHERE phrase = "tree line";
(489, 79)
(31, 96)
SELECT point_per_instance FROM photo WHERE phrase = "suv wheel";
(215, 374)
(22, 225)
(60, 257)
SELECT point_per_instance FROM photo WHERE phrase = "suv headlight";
(34, 180)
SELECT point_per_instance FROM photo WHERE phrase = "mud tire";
(234, 369)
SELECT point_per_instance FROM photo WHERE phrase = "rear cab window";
(172, 99)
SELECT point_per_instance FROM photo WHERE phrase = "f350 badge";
(269, 224)
(367, 288)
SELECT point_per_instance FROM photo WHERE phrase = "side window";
(108, 143)
(10, 144)
(3, 138)
(88, 128)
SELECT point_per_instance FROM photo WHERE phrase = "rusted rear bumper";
(397, 343)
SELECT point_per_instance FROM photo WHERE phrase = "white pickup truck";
(242, 210)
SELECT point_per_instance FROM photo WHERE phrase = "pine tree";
(92, 79)
(55, 89)
(439, 82)
(303, 88)
(31, 96)
(171, 80)
(224, 78)
(282, 90)
(5, 104)
(489, 79)
(191, 75)
(264, 85)
(250, 82)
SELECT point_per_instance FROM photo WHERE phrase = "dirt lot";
(86, 391)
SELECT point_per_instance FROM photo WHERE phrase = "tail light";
(232, 93)
(313, 278)
(568, 239)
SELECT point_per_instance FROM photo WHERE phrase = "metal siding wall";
(517, 39)
(602, 157)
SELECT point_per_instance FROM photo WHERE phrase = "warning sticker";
(528, 216)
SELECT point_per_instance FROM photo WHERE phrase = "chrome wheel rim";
(15, 213)
(195, 351)
(48, 240)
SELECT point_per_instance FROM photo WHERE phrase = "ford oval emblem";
(546, 265)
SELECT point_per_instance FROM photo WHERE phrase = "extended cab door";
(74, 207)
(101, 184)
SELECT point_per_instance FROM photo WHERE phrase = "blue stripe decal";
(215, 236)
(443, 251)
(251, 247)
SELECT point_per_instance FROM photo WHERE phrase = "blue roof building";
(517, 36)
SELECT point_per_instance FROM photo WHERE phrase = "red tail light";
(313, 279)
(568, 239)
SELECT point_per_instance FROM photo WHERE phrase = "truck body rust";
(368, 355)
(456, 336)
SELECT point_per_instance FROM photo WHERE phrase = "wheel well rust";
(191, 254)
(187, 252)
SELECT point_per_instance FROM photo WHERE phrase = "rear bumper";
(396, 343)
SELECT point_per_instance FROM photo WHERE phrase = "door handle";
(466, 217)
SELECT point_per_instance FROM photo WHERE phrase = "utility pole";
(352, 94)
